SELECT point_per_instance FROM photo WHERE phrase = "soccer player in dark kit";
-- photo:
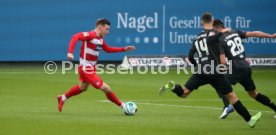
(231, 44)
(206, 47)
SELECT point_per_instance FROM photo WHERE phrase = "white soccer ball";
(130, 108)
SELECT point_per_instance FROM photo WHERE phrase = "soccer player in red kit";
(92, 43)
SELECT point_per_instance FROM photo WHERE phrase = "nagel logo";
(141, 23)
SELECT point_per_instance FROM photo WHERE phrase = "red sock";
(113, 98)
(75, 90)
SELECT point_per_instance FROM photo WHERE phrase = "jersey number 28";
(236, 46)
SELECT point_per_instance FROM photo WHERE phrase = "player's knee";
(83, 88)
(232, 97)
(106, 89)
(252, 94)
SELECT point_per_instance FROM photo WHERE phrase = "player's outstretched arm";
(130, 48)
(110, 49)
(259, 34)
(274, 35)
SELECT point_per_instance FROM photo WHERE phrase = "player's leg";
(97, 83)
(193, 83)
(110, 95)
(250, 87)
(180, 91)
(228, 108)
(237, 104)
(223, 99)
(232, 79)
(75, 90)
(262, 99)
(175, 88)
(241, 110)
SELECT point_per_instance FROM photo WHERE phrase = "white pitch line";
(186, 106)
(198, 107)
(22, 72)
(183, 100)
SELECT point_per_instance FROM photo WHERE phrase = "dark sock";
(223, 98)
(225, 101)
(265, 101)
(178, 90)
(241, 110)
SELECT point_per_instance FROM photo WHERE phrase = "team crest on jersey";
(98, 43)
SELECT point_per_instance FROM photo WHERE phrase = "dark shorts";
(242, 76)
(219, 82)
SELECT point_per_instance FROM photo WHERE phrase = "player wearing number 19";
(206, 47)
(231, 44)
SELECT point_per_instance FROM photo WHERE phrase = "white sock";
(122, 105)
(63, 98)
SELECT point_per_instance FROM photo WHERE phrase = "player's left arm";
(110, 49)
(81, 36)
(223, 59)
(222, 55)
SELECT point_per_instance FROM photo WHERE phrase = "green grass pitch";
(28, 106)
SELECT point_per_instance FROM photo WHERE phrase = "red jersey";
(90, 48)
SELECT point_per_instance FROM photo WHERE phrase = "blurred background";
(34, 39)
(33, 30)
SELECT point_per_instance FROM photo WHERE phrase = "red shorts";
(89, 75)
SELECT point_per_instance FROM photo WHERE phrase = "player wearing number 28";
(231, 44)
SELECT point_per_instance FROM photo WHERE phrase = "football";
(130, 108)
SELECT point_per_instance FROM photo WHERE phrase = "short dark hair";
(102, 21)
(207, 18)
(218, 23)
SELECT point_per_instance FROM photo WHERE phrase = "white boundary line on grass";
(187, 106)
(198, 107)
(185, 100)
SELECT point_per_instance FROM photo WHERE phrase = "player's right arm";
(191, 55)
(222, 55)
(83, 36)
(258, 34)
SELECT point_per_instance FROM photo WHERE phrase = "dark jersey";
(231, 44)
(206, 46)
